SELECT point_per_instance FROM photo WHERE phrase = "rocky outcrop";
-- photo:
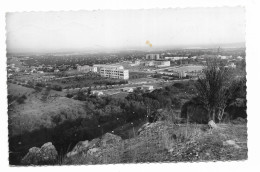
(83, 146)
(109, 138)
(148, 126)
(46, 155)
(212, 124)
(99, 150)
(144, 127)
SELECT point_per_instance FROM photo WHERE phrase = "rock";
(143, 128)
(171, 150)
(94, 143)
(80, 146)
(84, 146)
(212, 124)
(231, 143)
(109, 138)
(94, 152)
(149, 127)
(46, 155)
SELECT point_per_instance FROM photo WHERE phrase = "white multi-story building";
(152, 56)
(87, 68)
(114, 72)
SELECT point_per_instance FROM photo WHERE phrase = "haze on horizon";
(123, 29)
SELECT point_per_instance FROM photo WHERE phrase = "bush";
(38, 84)
(11, 98)
(21, 99)
(38, 89)
(194, 112)
(69, 95)
(24, 96)
(179, 85)
(81, 96)
(57, 87)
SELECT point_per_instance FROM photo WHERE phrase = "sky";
(123, 29)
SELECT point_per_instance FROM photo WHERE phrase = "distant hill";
(131, 49)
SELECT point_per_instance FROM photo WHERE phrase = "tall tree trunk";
(221, 113)
(209, 114)
(213, 114)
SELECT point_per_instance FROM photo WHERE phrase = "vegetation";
(214, 89)
(21, 99)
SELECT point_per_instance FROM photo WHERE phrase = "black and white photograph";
(129, 86)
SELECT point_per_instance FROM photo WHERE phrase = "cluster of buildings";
(86, 68)
(157, 63)
(158, 57)
(179, 74)
(153, 60)
(153, 63)
(175, 58)
(13, 68)
(108, 71)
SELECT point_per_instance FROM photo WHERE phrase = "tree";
(213, 88)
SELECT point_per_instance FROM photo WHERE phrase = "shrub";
(38, 84)
(21, 99)
(179, 85)
(57, 88)
(69, 95)
(38, 89)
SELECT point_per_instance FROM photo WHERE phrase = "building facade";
(100, 66)
(158, 63)
(117, 72)
(152, 57)
(87, 68)
(175, 58)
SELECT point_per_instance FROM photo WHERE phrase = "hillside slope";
(39, 108)
(165, 142)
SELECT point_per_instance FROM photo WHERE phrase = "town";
(120, 73)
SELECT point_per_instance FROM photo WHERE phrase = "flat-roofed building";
(175, 58)
(100, 66)
(152, 57)
(87, 68)
(162, 63)
(110, 72)
(149, 63)
(157, 63)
